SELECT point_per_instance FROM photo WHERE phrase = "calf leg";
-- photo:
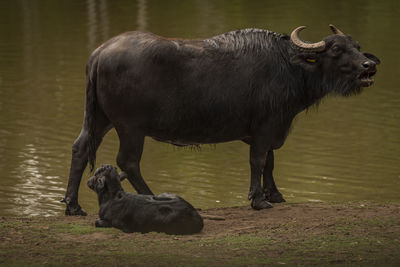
(257, 162)
(128, 159)
(102, 223)
(271, 191)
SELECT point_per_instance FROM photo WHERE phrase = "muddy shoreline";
(355, 233)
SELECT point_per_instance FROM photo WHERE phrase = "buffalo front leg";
(271, 191)
(257, 162)
(128, 159)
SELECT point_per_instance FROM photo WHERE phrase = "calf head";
(105, 179)
(337, 61)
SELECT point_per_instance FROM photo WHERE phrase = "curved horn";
(335, 30)
(312, 47)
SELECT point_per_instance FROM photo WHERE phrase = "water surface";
(348, 149)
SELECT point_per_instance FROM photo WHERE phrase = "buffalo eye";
(336, 50)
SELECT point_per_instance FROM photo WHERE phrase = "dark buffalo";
(167, 213)
(242, 85)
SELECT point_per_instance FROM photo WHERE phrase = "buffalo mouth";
(90, 183)
(366, 79)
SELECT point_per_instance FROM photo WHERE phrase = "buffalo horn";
(312, 47)
(335, 30)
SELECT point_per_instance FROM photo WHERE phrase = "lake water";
(347, 149)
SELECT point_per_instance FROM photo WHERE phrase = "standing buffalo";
(242, 85)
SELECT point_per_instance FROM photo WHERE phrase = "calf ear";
(90, 182)
(372, 57)
(122, 176)
(306, 61)
(100, 182)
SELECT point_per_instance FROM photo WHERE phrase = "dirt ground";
(361, 233)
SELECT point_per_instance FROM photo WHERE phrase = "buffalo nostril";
(368, 64)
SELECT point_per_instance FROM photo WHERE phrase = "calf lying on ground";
(129, 212)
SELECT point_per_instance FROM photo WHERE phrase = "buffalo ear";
(372, 57)
(100, 182)
(306, 61)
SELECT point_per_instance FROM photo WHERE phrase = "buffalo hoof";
(260, 203)
(75, 211)
(276, 198)
(72, 209)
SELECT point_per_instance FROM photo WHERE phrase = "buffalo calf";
(129, 212)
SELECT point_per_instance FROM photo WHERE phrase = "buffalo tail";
(90, 110)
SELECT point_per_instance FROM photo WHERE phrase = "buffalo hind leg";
(257, 162)
(78, 165)
(271, 191)
(79, 161)
(128, 159)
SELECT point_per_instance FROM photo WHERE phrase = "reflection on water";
(348, 150)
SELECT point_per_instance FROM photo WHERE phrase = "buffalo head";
(337, 60)
(105, 178)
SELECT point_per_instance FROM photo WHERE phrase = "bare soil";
(361, 233)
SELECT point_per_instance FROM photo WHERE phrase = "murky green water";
(347, 150)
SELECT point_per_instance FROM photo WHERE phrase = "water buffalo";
(242, 85)
(167, 213)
